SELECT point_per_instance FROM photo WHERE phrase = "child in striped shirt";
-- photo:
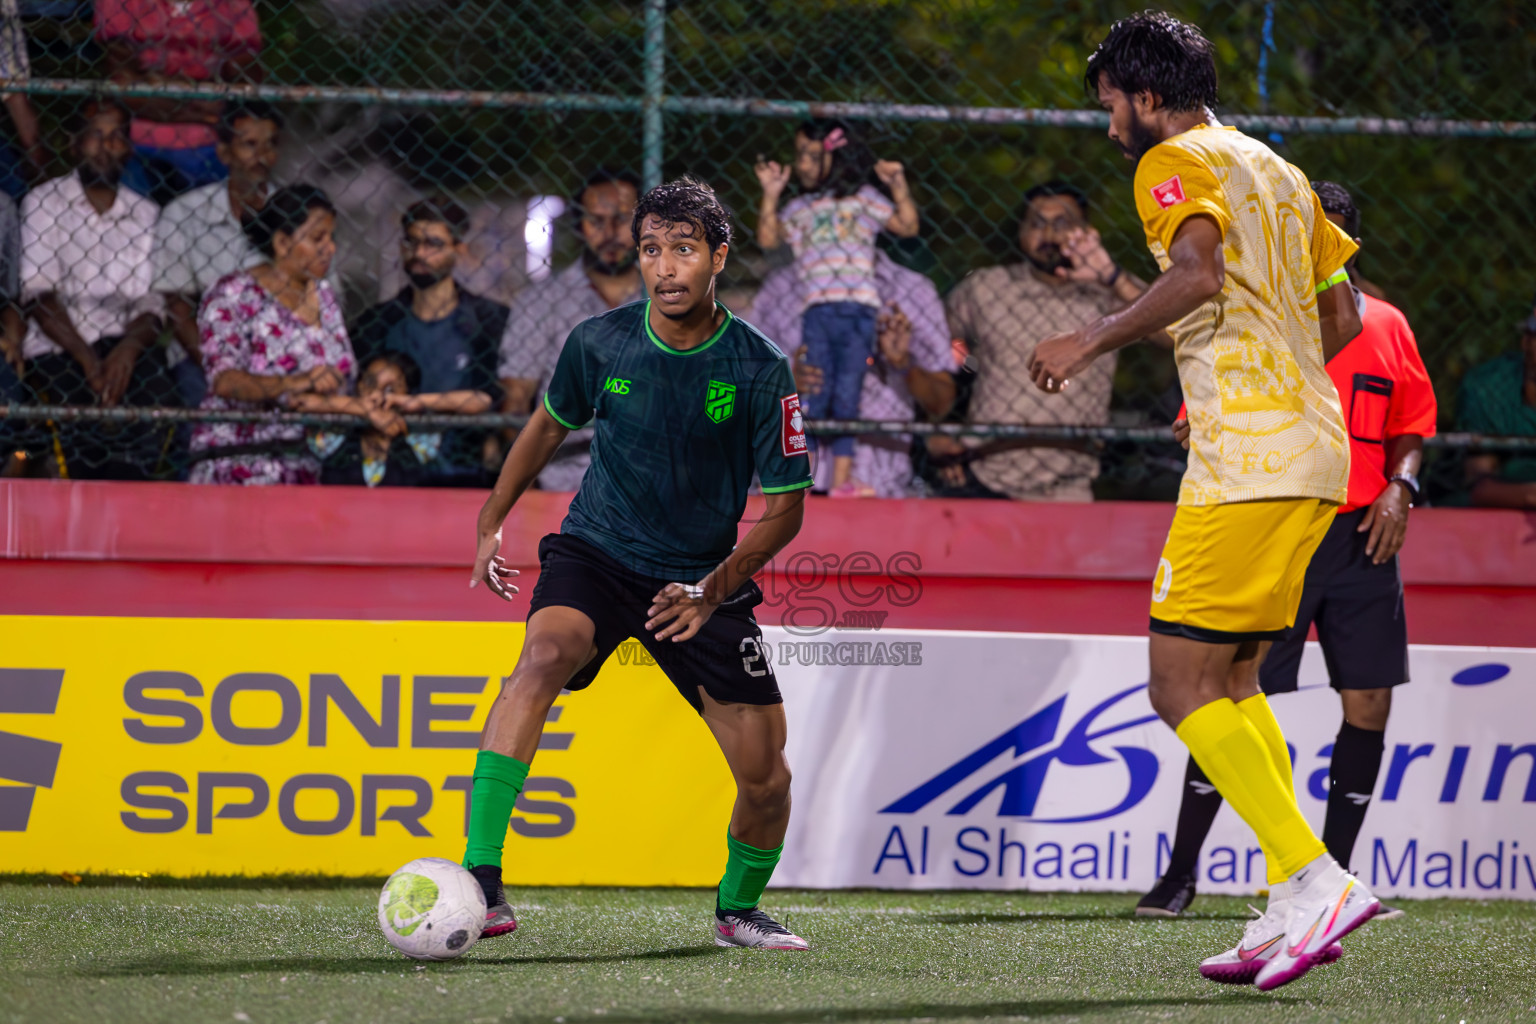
(844, 199)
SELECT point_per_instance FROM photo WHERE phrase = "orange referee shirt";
(1385, 392)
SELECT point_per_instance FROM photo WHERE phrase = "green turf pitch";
(127, 953)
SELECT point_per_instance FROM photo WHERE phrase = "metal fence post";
(655, 71)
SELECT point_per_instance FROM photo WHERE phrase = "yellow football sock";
(1237, 761)
(1262, 717)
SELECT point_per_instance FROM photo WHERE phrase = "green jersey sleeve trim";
(669, 350)
(558, 418)
(787, 487)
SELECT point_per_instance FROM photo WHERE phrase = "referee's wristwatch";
(1409, 481)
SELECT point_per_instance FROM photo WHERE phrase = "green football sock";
(747, 871)
(498, 780)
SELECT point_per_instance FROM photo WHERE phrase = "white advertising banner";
(952, 760)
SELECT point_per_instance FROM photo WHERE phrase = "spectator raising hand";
(1085, 259)
(911, 359)
(844, 199)
(1064, 280)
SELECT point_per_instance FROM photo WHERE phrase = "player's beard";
(1140, 139)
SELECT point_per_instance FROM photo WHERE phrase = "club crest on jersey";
(794, 425)
(1169, 193)
(720, 402)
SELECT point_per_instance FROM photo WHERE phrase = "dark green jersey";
(677, 438)
(1492, 402)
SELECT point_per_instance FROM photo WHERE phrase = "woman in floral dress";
(273, 338)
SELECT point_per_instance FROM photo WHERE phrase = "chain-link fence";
(500, 113)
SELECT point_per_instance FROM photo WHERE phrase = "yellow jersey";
(1265, 420)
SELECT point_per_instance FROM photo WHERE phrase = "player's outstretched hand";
(1057, 359)
(491, 569)
(681, 605)
(1181, 432)
(1387, 519)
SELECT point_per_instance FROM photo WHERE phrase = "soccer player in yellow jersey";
(1250, 265)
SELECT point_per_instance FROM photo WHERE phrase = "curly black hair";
(687, 200)
(1336, 199)
(1156, 52)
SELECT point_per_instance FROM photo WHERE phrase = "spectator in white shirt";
(199, 238)
(85, 271)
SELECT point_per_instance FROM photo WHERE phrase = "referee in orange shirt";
(1353, 589)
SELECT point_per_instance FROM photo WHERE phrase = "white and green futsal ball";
(432, 909)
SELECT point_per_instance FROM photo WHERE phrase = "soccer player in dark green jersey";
(687, 402)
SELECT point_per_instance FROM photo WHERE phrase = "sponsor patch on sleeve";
(1169, 193)
(794, 425)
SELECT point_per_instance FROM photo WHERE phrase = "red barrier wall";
(83, 548)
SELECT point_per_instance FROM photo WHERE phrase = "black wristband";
(1112, 278)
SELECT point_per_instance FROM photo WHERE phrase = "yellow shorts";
(1232, 573)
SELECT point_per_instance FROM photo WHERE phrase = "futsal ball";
(432, 909)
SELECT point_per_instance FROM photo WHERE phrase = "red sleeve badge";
(793, 431)
(1169, 193)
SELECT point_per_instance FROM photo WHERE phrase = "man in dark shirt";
(1498, 399)
(450, 333)
(687, 402)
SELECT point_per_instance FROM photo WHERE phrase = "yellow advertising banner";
(244, 746)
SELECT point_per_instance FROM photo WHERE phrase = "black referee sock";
(1196, 812)
(1351, 781)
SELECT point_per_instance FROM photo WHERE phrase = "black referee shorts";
(727, 657)
(1358, 608)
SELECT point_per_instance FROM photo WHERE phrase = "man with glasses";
(1066, 280)
(1498, 399)
(449, 332)
(546, 312)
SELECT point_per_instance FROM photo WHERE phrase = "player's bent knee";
(1166, 701)
(548, 661)
(1367, 709)
(768, 792)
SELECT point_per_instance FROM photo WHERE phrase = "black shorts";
(1358, 608)
(727, 657)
